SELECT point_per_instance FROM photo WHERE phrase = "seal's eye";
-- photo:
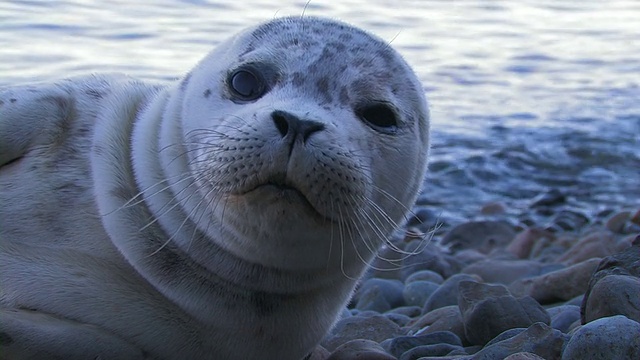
(246, 84)
(380, 116)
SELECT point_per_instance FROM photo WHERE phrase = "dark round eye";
(246, 84)
(380, 116)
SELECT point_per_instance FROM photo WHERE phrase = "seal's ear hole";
(380, 116)
(246, 84)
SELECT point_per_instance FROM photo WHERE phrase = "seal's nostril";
(279, 118)
(287, 123)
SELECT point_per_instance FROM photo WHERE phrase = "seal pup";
(225, 216)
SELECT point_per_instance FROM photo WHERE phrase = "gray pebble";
(402, 344)
(447, 293)
(425, 275)
(416, 293)
(430, 350)
(610, 338)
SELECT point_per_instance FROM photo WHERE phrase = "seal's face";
(308, 139)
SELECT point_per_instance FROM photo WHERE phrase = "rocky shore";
(558, 284)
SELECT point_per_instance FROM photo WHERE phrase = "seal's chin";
(289, 195)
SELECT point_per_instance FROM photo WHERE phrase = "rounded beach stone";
(424, 219)
(625, 263)
(564, 316)
(560, 285)
(446, 318)
(429, 350)
(596, 245)
(539, 339)
(426, 258)
(523, 243)
(416, 293)
(483, 236)
(488, 310)
(402, 344)
(610, 338)
(617, 222)
(372, 299)
(425, 275)
(410, 311)
(447, 293)
(552, 197)
(360, 349)
(523, 356)
(504, 271)
(376, 328)
(389, 289)
(614, 295)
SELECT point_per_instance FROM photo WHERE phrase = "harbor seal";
(226, 216)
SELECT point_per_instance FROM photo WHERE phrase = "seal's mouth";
(279, 189)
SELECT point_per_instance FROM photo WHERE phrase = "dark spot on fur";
(1, 102)
(298, 79)
(323, 88)
(5, 339)
(13, 100)
(207, 93)
(344, 95)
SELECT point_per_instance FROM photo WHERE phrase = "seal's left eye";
(379, 116)
(247, 84)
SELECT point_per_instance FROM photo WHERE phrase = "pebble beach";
(499, 286)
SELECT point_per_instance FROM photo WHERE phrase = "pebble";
(524, 242)
(416, 293)
(552, 197)
(504, 271)
(539, 339)
(559, 285)
(618, 294)
(614, 295)
(493, 208)
(447, 293)
(389, 289)
(429, 350)
(479, 296)
(430, 258)
(360, 349)
(425, 275)
(617, 223)
(483, 236)
(564, 316)
(523, 356)
(424, 219)
(447, 318)
(599, 244)
(610, 338)
(376, 328)
(488, 310)
(567, 220)
(402, 344)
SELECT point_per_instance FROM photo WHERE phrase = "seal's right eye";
(246, 84)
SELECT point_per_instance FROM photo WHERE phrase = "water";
(526, 95)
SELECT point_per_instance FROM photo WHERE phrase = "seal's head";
(308, 139)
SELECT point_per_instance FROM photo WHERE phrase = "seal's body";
(225, 216)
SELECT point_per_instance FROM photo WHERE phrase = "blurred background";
(532, 100)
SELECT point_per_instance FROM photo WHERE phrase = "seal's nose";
(294, 127)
